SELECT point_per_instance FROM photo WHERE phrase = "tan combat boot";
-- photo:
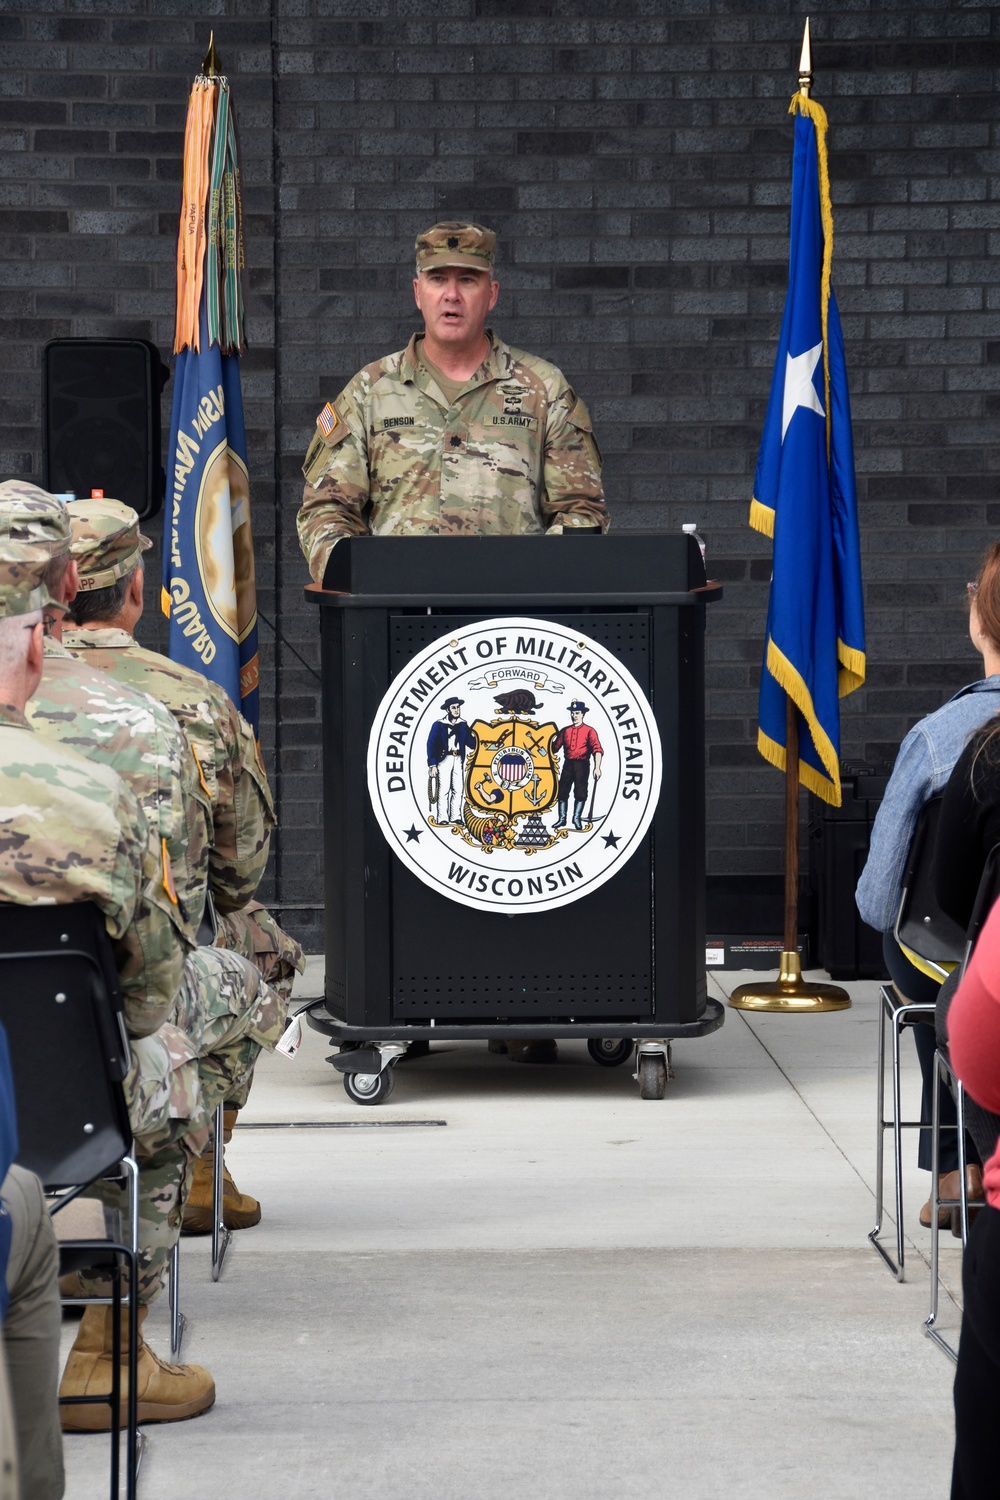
(239, 1210)
(167, 1393)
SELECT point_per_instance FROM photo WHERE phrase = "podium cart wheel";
(652, 1076)
(610, 1051)
(369, 1088)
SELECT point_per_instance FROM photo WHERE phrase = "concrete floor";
(547, 1287)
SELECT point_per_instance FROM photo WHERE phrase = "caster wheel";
(610, 1051)
(652, 1076)
(369, 1088)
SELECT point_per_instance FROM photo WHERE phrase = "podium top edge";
(340, 599)
(512, 567)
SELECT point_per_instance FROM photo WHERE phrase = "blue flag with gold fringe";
(209, 586)
(804, 492)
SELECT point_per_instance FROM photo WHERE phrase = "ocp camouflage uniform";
(255, 934)
(71, 830)
(106, 721)
(230, 770)
(112, 723)
(223, 1015)
(514, 454)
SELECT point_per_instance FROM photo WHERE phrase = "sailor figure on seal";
(578, 742)
(448, 743)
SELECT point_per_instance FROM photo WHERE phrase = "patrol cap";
(107, 542)
(21, 588)
(29, 514)
(456, 244)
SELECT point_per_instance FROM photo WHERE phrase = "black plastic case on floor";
(838, 849)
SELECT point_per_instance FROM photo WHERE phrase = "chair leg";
(963, 1188)
(131, 1169)
(134, 1440)
(879, 1126)
(220, 1234)
(931, 1318)
(894, 1013)
(897, 1143)
(116, 1375)
(178, 1322)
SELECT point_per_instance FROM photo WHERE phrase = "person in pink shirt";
(974, 1045)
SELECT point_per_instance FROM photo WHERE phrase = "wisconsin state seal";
(514, 765)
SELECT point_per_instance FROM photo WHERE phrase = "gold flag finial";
(212, 68)
(805, 64)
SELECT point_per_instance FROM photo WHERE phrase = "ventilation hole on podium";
(518, 994)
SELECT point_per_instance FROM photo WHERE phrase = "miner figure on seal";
(578, 742)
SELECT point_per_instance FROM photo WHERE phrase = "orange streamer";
(192, 237)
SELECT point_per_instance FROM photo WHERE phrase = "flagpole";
(788, 992)
(791, 940)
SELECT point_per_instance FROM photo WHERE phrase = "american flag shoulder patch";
(327, 421)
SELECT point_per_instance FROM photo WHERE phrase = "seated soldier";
(107, 548)
(31, 1461)
(196, 1018)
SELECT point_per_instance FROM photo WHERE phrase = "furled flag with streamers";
(209, 589)
(804, 493)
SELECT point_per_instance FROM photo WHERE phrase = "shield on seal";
(513, 769)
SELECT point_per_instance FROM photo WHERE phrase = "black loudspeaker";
(101, 403)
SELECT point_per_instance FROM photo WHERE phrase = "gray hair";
(98, 605)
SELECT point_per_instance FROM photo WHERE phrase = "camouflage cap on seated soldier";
(107, 542)
(456, 244)
(22, 591)
(30, 514)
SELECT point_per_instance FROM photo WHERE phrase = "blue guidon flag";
(804, 493)
(209, 586)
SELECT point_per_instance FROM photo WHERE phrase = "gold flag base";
(788, 993)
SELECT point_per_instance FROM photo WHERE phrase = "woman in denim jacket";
(924, 763)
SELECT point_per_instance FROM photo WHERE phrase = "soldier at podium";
(457, 434)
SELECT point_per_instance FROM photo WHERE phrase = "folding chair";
(923, 929)
(60, 1005)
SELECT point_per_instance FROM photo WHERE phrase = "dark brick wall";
(634, 156)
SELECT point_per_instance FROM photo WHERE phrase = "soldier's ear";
(36, 650)
(494, 294)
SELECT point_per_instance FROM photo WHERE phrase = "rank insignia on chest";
(327, 420)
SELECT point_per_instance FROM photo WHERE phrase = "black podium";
(597, 625)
